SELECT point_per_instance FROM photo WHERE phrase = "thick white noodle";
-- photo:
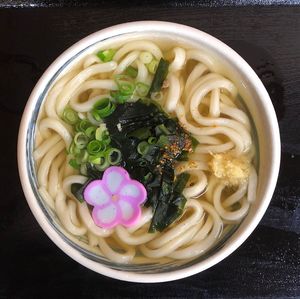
(220, 206)
(45, 146)
(200, 247)
(142, 74)
(88, 105)
(50, 102)
(54, 183)
(61, 208)
(138, 46)
(69, 89)
(202, 57)
(44, 167)
(89, 60)
(58, 126)
(178, 61)
(126, 62)
(196, 73)
(173, 95)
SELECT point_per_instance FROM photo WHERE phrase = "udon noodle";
(206, 104)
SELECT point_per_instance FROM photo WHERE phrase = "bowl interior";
(255, 100)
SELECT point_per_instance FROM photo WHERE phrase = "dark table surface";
(266, 265)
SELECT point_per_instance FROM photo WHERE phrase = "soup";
(145, 153)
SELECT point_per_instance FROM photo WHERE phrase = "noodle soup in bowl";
(148, 155)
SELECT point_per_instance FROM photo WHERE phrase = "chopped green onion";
(146, 57)
(100, 132)
(162, 141)
(73, 163)
(114, 156)
(82, 125)
(142, 163)
(152, 66)
(106, 139)
(125, 84)
(118, 97)
(96, 159)
(141, 133)
(143, 148)
(81, 140)
(90, 132)
(157, 96)
(159, 76)
(70, 116)
(106, 55)
(142, 89)
(73, 149)
(95, 146)
(148, 176)
(131, 72)
(103, 165)
(161, 129)
(103, 135)
(82, 157)
(152, 140)
(103, 108)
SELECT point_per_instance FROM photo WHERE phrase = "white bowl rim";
(185, 32)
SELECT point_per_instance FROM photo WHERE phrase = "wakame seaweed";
(77, 189)
(132, 123)
(159, 76)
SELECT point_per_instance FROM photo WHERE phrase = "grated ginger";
(232, 170)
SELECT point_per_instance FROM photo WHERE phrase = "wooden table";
(268, 37)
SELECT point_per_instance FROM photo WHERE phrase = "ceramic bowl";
(258, 104)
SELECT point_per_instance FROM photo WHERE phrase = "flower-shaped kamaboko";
(116, 198)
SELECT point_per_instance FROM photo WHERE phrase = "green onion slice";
(106, 55)
(161, 129)
(152, 140)
(90, 132)
(82, 157)
(73, 149)
(143, 148)
(103, 108)
(70, 116)
(131, 72)
(102, 165)
(142, 163)
(73, 163)
(142, 89)
(157, 96)
(82, 125)
(95, 146)
(141, 133)
(152, 66)
(97, 159)
(146, 57)
(162, 141)
(81, 140)
(125, 84)
(100, 132)
(114, 156)
(118, 97)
